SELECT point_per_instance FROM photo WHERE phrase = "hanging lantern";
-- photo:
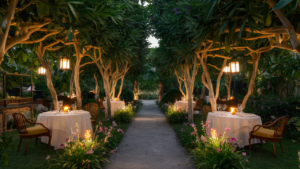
(226, 69)
(41, 70)
(64, 63)
(234, 67)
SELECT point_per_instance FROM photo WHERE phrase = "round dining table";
(240, 125)
(184, 105)
(62, 124)
(115, 106)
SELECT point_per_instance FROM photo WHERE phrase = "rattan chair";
(198, 105)
(100, 103)
(93, 109)
(273, 134)
(31, 132)
(206, 109)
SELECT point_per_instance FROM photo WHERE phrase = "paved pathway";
(150, 143)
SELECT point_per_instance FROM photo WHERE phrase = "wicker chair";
(31, 132)
(93, 109)
(206, 109)
(273, 134)
(198, 105)
(100, 103)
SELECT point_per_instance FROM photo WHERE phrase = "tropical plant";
(5, 145)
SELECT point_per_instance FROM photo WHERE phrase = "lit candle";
(116, 99)
(233, 110)
(66, 109)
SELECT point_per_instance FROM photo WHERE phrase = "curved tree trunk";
(121, 87)
(107, 92)
(203, 90)
(9, 16)
(71, 83)
(228, 85)
(160, 90)
(97, 89)
(255, 59)
(76, 76)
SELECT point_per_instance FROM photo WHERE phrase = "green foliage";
(5, 144)
(148, 96)
(124, 115)
(171, 96)
(86, 101)
(175, 115)
(127, 95)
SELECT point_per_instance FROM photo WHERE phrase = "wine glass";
(224, 106)
(240, 108)
(219, 107)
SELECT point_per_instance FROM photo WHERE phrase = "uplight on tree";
(234, 67)
(64, 63)
(41, 70)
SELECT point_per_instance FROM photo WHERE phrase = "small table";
(61, 125)
(184, 105)
(240, 125)
(115, 106)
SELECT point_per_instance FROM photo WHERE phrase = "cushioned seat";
(263, 132)
(197, 108)
(35, 130)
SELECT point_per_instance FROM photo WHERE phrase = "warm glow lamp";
(233, 110)
(234, 67)
(66, 109)
(226, 69)
(41, 70)
(64, 63)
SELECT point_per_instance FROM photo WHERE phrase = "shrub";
(171, 96)
(217, 151)
(124, 115)
(127, 95)
(5, 145)
(176, 115)
(137, 105)
(148, 96)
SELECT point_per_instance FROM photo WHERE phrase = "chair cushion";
(197, 108)
(35, 130)
(263, 132)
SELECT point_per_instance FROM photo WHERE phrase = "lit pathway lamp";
(41, 70)
(234, 67)
(64, 63)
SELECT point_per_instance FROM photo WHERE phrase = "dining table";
(62, 125)
(184, 105)
(115, 106)
(240, 125)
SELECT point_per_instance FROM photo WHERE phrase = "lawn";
(262, 157)
(36, 155)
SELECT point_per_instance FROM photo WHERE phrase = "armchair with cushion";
(30, 132)
(93, 109)
(198, 104)
(271, 131)
(206, 109)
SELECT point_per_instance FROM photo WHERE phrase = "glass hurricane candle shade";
(234, 67)
(66, 110)
(64, 63)
(41, 70)
(233, 110)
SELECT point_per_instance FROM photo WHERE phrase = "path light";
(214, 133)
(41, 70)
(64, 63)
(226, 69)
(87, 134)
(234, 67)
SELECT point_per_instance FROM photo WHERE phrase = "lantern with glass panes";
(41, 70)
(64, 62)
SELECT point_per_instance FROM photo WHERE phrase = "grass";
(36, 155)
(262, 157)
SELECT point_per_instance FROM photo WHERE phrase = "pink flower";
(114, 124)
(120, 130)
(223, 142)
(233, 139)
(68, 140)
(73, 133)
(193, 133)
(185, 117)
(113, 151)
(203, 138)
(208, 121)
(56, 148)
(244, 153)
(103, 153)
(62, 146)
(218, 150)
(100, 129)
(227, 129)
(100, 122)
(90, 151)
(192, 125)
(48, 157)
(247, 161)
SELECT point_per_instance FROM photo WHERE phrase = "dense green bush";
(175, 115)
(124, 115)
(127, 95)
(171, 96)
(148, 96)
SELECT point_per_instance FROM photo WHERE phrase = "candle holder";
(233, 110)
(66, 110)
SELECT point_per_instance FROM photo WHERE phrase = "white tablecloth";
(115, 105)
(240, 126)
(184, 105)
(61, 124)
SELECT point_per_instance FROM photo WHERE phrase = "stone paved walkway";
(150, 143)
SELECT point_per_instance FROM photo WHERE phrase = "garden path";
(150, 143)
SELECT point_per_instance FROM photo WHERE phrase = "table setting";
(240, 124)
(182, 104)
(62, 122)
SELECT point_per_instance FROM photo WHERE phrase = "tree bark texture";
(77, 73)
(121, 87)
(71, 82)
(228, 85)
(203, 91)
(255, 60)
(160, 90)
(97, 89)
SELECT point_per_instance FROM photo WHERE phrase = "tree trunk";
(71, 83)
(203, 90)
(76, 76)
(107, 92)
(121, 87)
(97, 89)
(255, 60)
(9, 16)
(160, 90)
(228, 85)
